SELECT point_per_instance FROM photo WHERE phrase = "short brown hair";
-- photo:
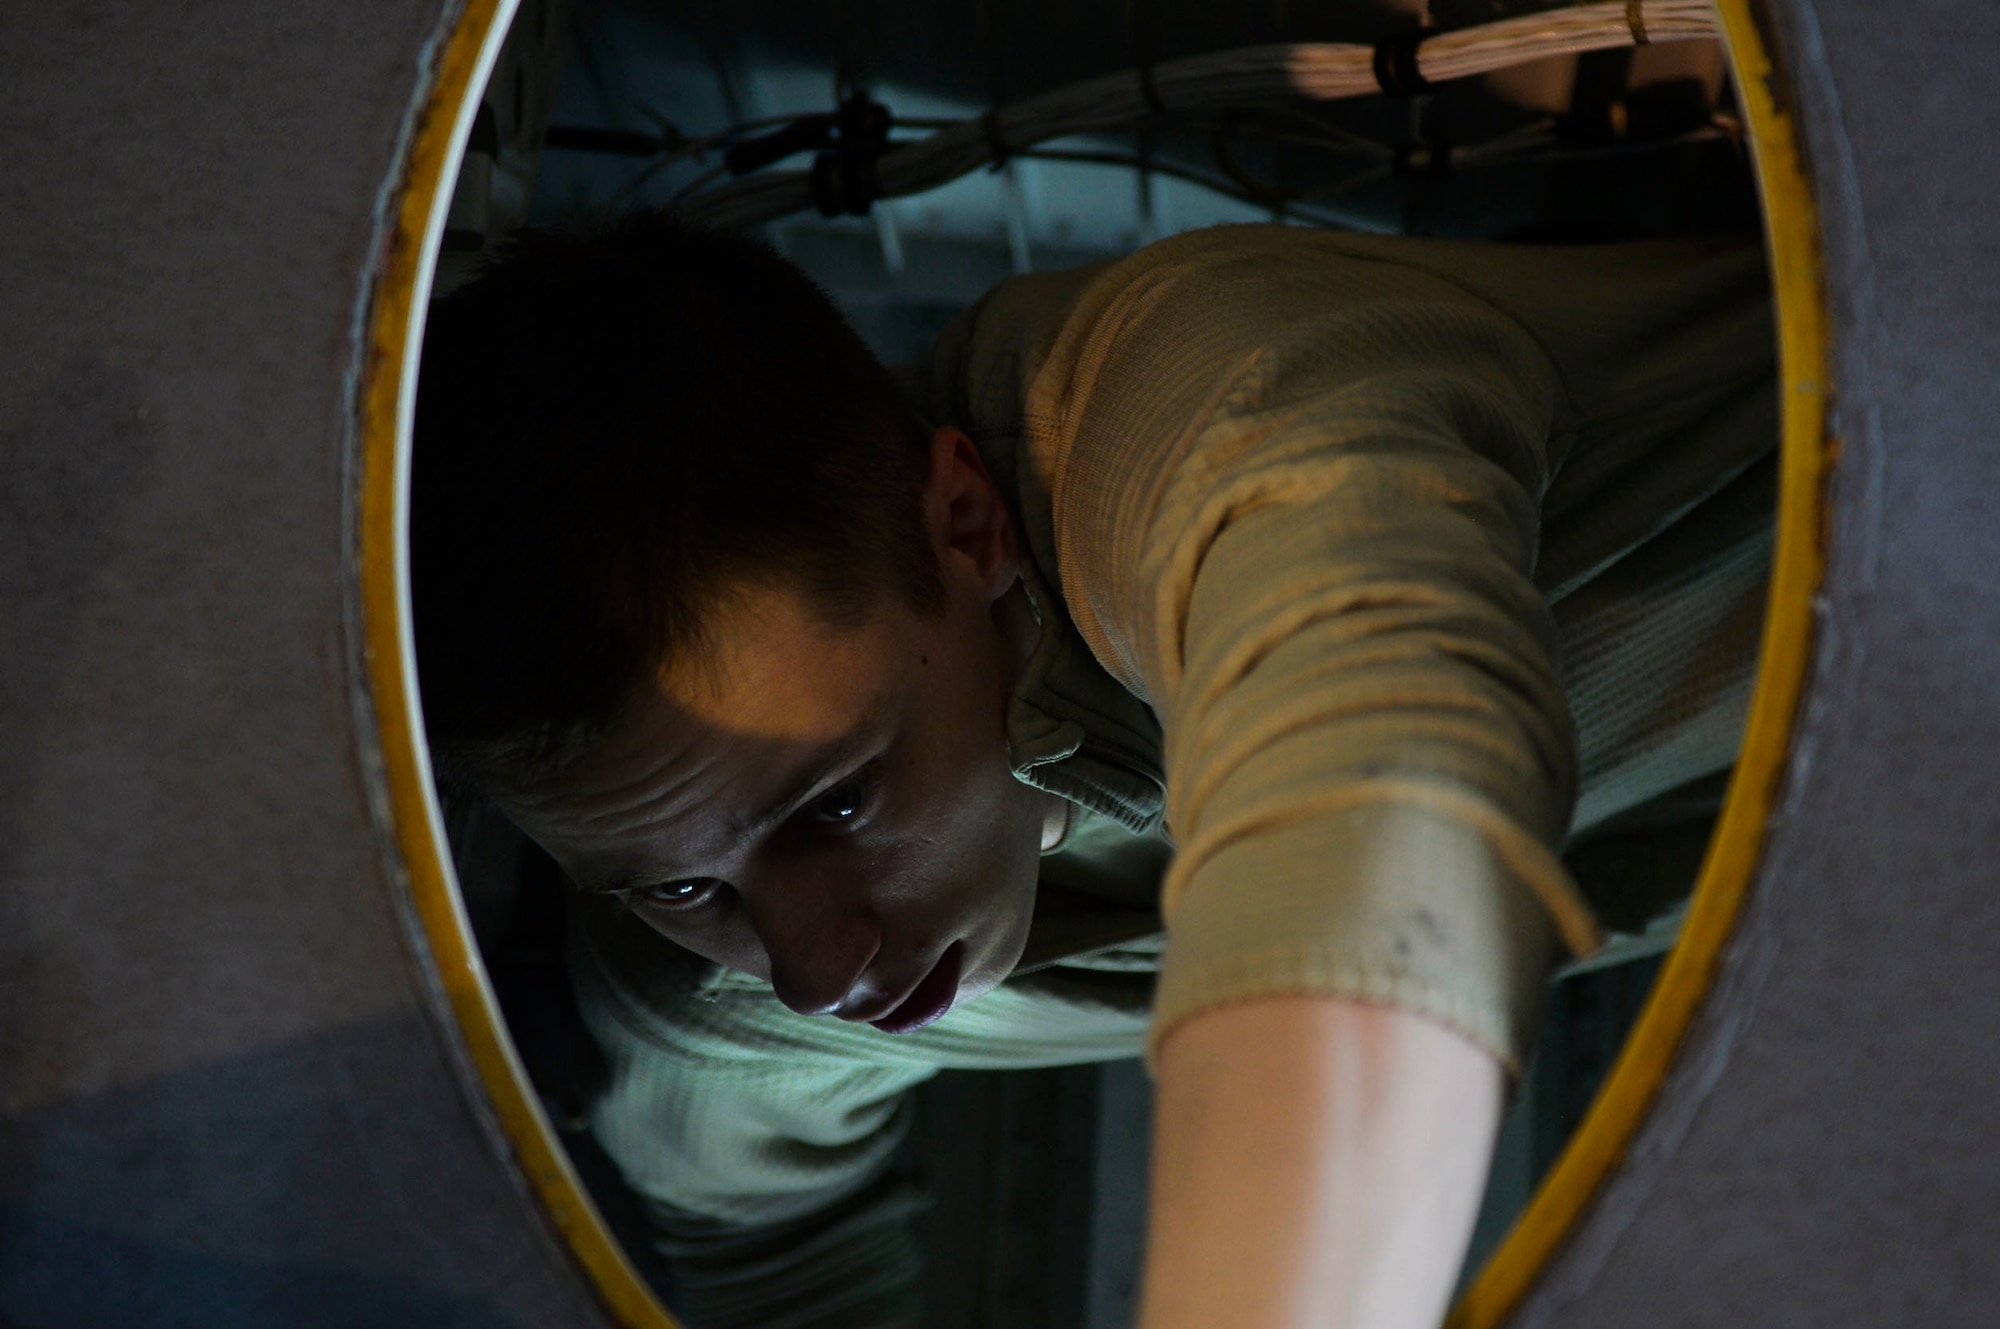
(613, 428)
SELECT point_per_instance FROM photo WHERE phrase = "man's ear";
(969, 520)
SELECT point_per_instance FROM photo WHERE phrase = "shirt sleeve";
(1294, 504)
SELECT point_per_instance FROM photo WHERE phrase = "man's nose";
(819, 934)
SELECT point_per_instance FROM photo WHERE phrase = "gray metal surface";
(226, 1093)
(1825, 1153)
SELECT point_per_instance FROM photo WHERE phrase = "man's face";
(830, 809)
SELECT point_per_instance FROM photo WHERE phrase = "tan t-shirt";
(1403, 542)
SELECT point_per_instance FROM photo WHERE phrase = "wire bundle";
(1249, 76)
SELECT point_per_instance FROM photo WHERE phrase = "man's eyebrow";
(831, 762)
(842, 754)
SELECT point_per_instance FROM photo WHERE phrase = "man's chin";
(975, 988)
(992, 966)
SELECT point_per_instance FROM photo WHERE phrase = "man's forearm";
(1316, 1163)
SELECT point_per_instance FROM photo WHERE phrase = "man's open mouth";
(930, 999)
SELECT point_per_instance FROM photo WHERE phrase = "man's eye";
(684, 894)
(844, 802)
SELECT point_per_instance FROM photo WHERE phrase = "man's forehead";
(668, 794)
(774, 668)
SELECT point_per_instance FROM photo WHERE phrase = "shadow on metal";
(250, 1072)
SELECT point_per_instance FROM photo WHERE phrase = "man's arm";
(1295, 497)
(1317, 1162)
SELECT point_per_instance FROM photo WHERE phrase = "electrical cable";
(1250, 76)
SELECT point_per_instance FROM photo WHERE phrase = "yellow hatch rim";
(459, 69)
(1806, 452)
(387, 389)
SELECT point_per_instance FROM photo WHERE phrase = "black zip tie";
(844, 178)
(996, 141)
(1396, 64)
(1635, 19)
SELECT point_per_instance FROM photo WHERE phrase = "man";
(1282, 587)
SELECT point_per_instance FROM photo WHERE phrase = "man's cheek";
(739, 947)
(733, 944)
